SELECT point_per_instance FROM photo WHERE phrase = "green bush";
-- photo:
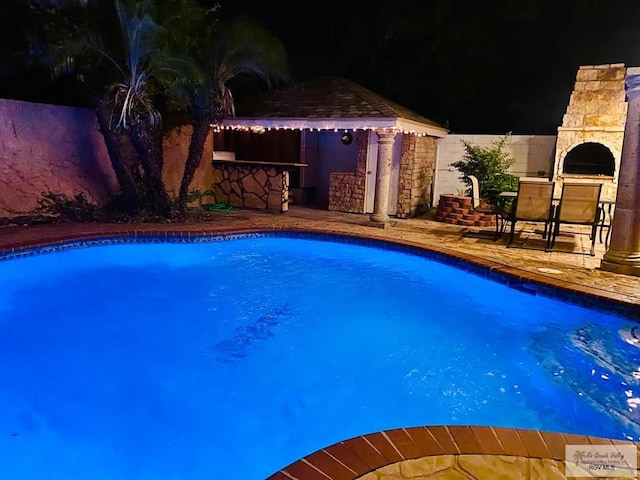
(489, 165)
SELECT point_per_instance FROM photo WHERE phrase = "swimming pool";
(182, 360)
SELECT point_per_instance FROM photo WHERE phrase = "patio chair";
(533, 203)
(579, 205)
(490, 209)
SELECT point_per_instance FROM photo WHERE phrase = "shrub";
(64, 208)
(489, 165)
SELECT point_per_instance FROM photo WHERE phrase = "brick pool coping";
(352, 458)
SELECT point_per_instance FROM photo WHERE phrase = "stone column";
(623, 255)
(383, 177)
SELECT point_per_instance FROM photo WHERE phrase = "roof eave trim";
(422, 128)
(390, 123)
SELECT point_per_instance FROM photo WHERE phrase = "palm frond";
(131, 101)
(242, 48)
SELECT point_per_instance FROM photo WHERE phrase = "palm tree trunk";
(196, 147)
(120, 167)
(147, 141)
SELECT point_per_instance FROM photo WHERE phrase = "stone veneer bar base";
(246, 184)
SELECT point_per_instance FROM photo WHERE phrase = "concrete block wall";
(533, 154)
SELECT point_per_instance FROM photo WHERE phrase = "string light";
(262, 128)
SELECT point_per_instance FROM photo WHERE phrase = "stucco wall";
(533, 154)
(176, 149)
(50, 148)
(60, 149)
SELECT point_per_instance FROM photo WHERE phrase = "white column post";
(383, 176)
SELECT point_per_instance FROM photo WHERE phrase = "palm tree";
(142, 69)
(241, 48)
(53, 35)
(131, 97)
(123, 67)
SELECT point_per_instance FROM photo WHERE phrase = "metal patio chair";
(533, 203)
(579, 205)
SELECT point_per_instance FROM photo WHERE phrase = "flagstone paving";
(424, 452)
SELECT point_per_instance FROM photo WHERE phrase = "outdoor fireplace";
(589, 158)
(589, 142)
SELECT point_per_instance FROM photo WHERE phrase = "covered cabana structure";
(344, 148)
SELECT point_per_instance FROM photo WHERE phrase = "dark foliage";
(59, 207)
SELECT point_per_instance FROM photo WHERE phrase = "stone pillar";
(383, 177)
(623, 255)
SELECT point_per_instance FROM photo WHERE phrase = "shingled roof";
(330, 103)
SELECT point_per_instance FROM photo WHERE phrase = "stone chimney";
(589, 142)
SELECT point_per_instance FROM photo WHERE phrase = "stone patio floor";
(418, 453)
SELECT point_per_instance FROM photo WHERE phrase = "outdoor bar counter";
(253, 184)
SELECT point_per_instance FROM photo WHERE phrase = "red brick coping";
(352, 458)
(357, 456)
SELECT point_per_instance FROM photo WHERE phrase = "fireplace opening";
(589, 158)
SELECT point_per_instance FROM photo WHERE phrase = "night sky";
(496, 66)
(477, 67)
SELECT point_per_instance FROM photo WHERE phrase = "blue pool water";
(232, 359)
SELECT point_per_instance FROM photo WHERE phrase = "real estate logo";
(597, 461)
